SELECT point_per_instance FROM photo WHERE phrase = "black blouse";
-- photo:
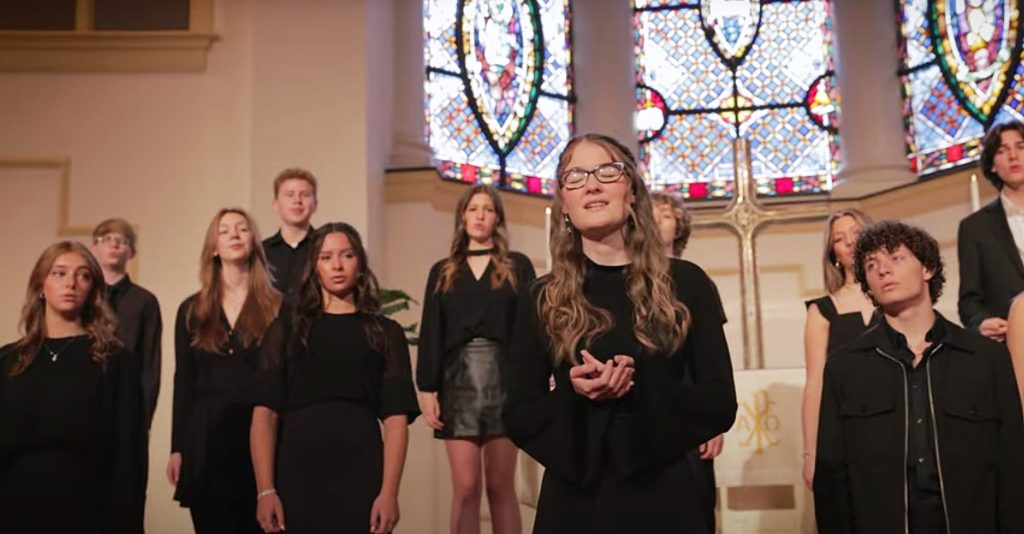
(470, 309)
(71, 442)
(339, 364)
(212, 415)
(679, 400)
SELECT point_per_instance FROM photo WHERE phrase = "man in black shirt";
(139, 325)
(288, 250)
(920, 428)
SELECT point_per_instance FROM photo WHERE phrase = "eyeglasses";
(114, 240)
(606, 174)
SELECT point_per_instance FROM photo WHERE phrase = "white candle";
(975, 198)
(547, 237)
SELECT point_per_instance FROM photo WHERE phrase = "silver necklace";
(55, 355)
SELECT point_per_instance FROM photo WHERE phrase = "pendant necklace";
(55, 355)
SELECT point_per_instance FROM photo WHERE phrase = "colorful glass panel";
(499, 98)
(960, 68)
(711, 70)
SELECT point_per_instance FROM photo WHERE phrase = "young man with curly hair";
(920, 428)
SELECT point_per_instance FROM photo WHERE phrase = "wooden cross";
(746, 217)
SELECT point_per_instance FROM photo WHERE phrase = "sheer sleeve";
(431, 344)
(269, 383)
(397, 393)
(551, 425)
(184, 379)
(671, 413)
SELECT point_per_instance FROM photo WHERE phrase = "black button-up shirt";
(139, 327)
(287, 263)
(922, 468)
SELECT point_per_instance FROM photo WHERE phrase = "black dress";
(464, 338)
(620, 466)
(70, 442)
(329, 462)
(842, 327)
(212, 415)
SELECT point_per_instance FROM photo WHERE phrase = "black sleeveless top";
(842, 327)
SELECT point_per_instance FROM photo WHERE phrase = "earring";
(568, 223)
(41, 296)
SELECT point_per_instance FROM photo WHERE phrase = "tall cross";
(746, 217)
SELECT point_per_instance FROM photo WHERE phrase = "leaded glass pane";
(957, 61)
(711, 70)
(499, 97)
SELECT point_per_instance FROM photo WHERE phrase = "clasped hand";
(597, 380)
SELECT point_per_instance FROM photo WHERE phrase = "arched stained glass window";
(961, 72)
(711, 70)
(499, 98)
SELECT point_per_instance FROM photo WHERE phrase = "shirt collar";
(276, 239)
(1009, 207)
(898, 341)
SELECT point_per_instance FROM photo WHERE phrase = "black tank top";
(842, 327)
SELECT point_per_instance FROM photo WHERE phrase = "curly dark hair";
(888, 235)
(990, 146)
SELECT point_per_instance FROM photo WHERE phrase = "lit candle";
(547, 237)
(975, 198)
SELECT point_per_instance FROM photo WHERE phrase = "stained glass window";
(961, 72)
(499, 98)
(711, 70)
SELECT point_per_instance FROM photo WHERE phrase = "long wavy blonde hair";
(834, 275)
(503, 270)
(97, 318)
(261, 303)
(660, 320)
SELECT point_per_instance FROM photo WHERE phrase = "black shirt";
(70, 441)
(140, 328)
(212, 414)
(922, 470)
(338, 364)
(630, 450)
(471, 308)
(287, 263)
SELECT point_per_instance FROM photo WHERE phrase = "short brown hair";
(889, 235)
(119, 226)
(684, 224)
(294, 173)
(990, 146)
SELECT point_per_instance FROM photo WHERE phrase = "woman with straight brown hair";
(70, 407)
(642, 374)
(468, 310)
(216, 339)
(832, 320)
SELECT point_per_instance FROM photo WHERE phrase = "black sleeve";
(123, 511)
(971, 304)
(1010, 462)
(152, 333)
(397, 393)
(184, 380)
(548, 424)
(832, 499)
(669, 416)
(269, 388)
(430, 354)
(525, 274)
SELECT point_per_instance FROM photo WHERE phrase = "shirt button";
(920, 460)
(920, 420)
(231, 351)
(915, 386)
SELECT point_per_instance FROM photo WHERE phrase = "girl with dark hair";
(216, 339)
(329, 371)
(642, 374)
(468, 311)
(70, 407)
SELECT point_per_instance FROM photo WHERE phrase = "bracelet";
(266, 492)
